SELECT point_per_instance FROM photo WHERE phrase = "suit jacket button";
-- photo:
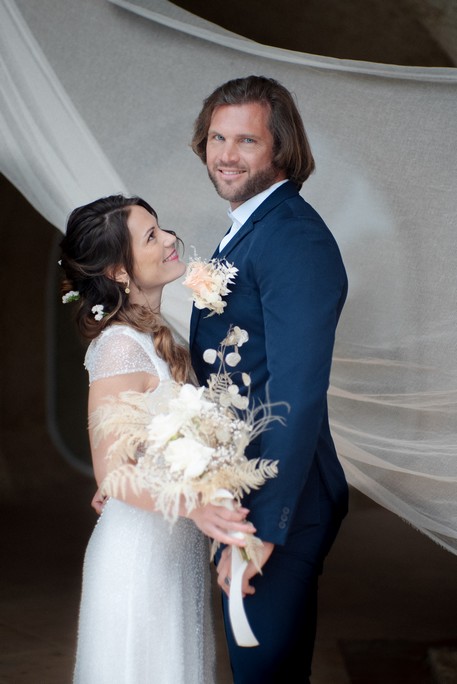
(282, 525)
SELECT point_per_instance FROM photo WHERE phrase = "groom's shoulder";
(287, 203)
(276, 200)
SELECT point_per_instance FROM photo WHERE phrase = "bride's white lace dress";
(145, 614)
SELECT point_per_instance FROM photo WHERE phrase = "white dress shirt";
(240, 215)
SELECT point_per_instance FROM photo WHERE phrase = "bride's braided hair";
(96, 242)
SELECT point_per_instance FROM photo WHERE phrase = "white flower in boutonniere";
(209, 282)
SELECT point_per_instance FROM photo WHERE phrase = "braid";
(174, 354)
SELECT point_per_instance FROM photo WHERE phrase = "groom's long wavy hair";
(97, 241)
(291, 148)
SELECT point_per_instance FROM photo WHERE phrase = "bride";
(145, 613)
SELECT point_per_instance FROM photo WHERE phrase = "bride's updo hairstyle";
(96, 244)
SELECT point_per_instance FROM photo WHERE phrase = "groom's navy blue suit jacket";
(288, 294)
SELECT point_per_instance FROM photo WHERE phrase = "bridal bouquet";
(183, 443)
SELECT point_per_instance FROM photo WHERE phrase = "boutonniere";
(209, 282)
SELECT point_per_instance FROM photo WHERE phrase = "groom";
(288, 294)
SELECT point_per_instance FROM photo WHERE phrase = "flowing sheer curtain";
(100, 97)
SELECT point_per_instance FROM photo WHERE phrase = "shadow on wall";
(41, 360)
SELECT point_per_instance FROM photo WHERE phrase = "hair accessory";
(127, 286)
(71, 296)
(98, 312)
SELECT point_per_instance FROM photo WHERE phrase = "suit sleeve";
(302, 284)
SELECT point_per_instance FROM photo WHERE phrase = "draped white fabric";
(98, 98)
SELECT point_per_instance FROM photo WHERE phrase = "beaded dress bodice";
(120, 349)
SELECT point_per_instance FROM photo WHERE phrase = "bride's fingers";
(232, 526)
(234, 522)
(220, 527)
(215, 528)
(237, 514)
(221, 535)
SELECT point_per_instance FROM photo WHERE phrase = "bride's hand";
(98, 502)
(217, 522)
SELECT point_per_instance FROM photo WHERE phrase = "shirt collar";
(240, 215)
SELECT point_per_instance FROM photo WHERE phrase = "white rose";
(189, 456)
(164, 427)
(189, 402)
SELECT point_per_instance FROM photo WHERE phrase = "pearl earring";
(127, 287)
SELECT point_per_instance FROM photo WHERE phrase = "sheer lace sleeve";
(118, 351)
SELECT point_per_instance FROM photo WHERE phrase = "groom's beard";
(239, 192)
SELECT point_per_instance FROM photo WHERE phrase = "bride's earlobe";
(121, 276)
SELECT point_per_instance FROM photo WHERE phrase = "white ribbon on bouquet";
(241, 628)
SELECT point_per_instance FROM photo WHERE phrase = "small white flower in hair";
(71, 296)
(98, 312)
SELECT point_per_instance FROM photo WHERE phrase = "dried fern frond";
(116, 482)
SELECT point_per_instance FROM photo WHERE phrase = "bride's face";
(155, 259)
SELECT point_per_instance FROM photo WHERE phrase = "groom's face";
(239, 152)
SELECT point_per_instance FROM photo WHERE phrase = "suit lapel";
(194, 319)
(282, 193)
(243, 231)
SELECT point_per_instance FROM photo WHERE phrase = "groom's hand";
(225, 564)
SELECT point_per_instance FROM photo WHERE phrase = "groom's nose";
(229, 152)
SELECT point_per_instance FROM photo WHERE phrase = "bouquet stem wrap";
(241, 628)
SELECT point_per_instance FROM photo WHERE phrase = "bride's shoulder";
(117, 341)
(122, 349)
(119, 333)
